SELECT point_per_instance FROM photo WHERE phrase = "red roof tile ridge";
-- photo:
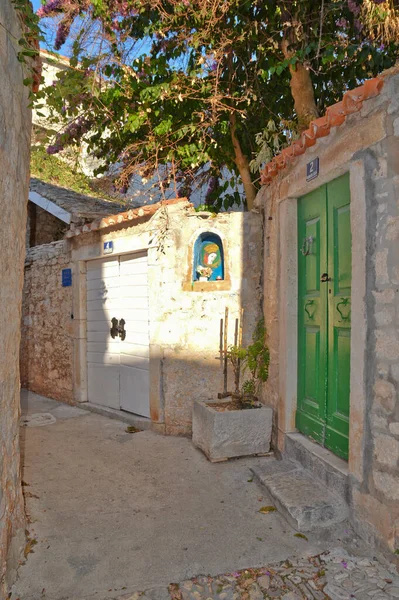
(335, 115)
(133, 214)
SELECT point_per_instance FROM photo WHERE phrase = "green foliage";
(189, 85)
(255, 359)
(53, 170)
(258, 356)
(29, 41)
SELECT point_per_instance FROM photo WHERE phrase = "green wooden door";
(324, 294)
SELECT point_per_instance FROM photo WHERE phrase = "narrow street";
(113, 514)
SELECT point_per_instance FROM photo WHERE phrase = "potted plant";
(255, 359)
(239, 425)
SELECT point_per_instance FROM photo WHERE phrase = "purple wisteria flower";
(342, 22)
(354, 7)
(50, 7)
(54, 149)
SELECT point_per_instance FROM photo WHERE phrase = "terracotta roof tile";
(128, 216)
(335, 115)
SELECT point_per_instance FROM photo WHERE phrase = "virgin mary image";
(210, 258)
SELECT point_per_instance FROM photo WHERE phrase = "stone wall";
(46, 348)
(15, 127)
(366, 145)
(43, 227)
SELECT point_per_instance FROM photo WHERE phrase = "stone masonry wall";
(15, 127)
(367, 145)
(381, 504)
(43, 227)
(46, 348)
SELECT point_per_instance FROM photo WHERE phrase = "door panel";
(118, 371)
(324, 243)
(339, 306)
(312, 332)
(135, 362)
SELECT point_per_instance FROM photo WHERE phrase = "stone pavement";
(113, 512)
(333, 574)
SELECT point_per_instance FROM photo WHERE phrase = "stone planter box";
(232, 433)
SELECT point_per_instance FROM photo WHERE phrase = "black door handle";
(118, 328)
(324, 278)
(121, 329)
(114, 331)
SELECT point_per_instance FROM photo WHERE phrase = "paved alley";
(113, 512)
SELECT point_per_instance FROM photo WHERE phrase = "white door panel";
(134, 390)
(103, 358)
(135, 350)
(103, 385)
(112, 347)
(98, 284)
(111, 270)
(130, 360)
(139, 291)
(118, 371)
(103, 294)
(133, 280)
(133, 303)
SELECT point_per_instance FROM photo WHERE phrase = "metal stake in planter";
(238, 343)
(223, 351)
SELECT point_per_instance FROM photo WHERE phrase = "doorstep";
(305, 503)
(322, 464)
(143, 423)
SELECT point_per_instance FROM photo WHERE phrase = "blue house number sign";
(312, 169)
(66, 277)
(108, 247)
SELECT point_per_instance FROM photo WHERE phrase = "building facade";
(331, 305)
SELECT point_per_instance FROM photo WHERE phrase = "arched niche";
(208, 258)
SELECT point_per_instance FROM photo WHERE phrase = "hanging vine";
(28, 52)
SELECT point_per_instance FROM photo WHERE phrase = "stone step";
(305, 502)
(322, 464)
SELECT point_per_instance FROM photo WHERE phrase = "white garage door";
(118, 369)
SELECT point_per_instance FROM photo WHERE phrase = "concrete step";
(142, 423)
(305, 502)
(323, 465)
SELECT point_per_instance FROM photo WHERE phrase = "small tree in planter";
(255, 359)
(226, 429)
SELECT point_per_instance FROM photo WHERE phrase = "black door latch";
(118, 328)
(324, 278)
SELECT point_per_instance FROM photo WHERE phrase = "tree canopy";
(205, 91)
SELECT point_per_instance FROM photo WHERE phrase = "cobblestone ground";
(333, 574)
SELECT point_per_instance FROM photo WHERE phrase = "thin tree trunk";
(302, 91)
(242, 164)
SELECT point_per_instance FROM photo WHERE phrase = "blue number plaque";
(312, 169)
(108, 247)
(66, 277)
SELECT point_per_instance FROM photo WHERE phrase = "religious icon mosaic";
(208, 258)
